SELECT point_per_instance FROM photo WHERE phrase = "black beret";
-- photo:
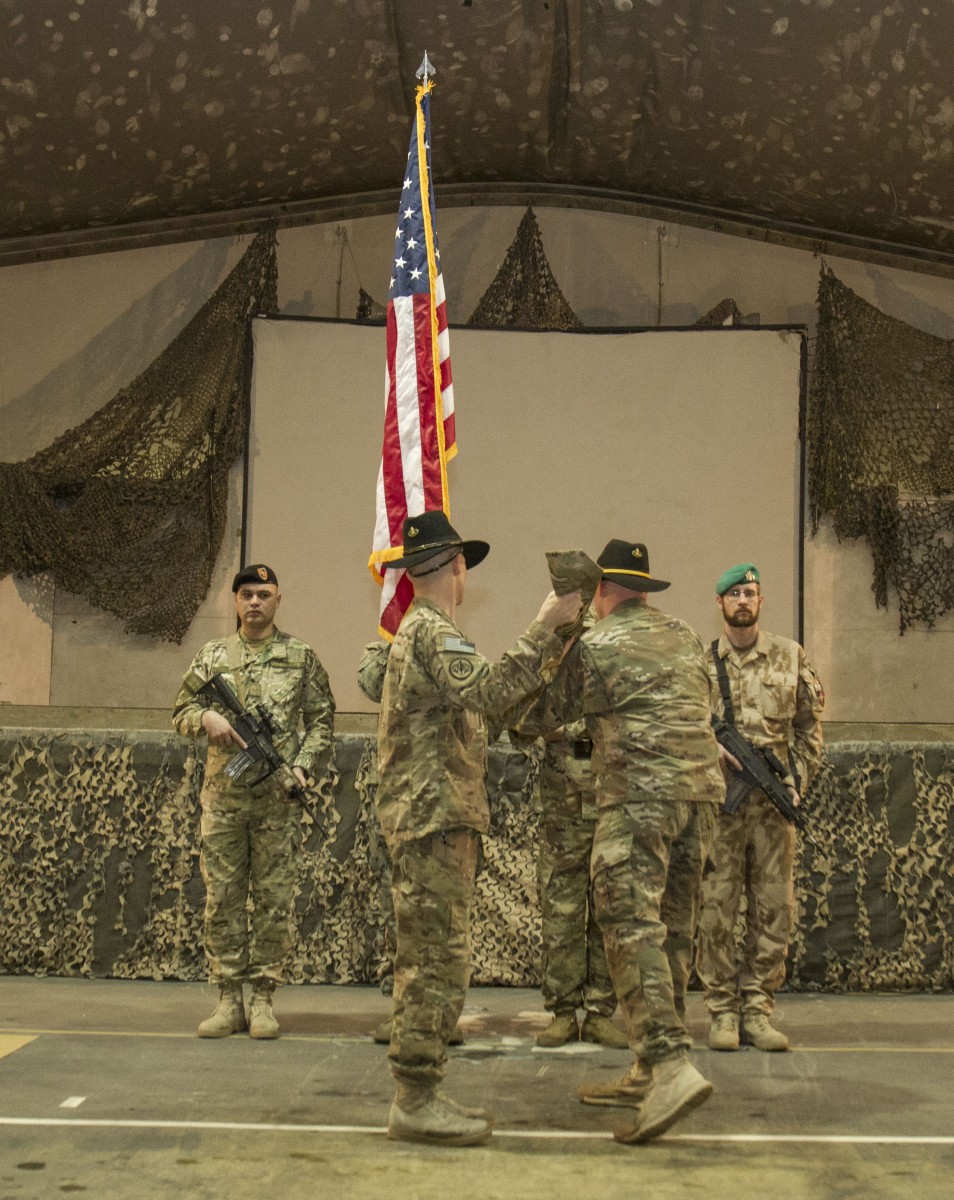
(255, 573)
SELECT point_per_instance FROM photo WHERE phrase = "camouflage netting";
(99, 867)
(137, 495)
(524, 292)
(881, 448)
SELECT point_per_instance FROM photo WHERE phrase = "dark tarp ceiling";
(818, 119)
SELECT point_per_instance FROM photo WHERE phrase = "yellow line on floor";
(9, 1042)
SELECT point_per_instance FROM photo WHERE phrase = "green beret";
(741, 573)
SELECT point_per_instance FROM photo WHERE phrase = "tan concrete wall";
(76, 330)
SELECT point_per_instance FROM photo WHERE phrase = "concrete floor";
(104, 1090)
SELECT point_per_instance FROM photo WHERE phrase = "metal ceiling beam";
(831, 242)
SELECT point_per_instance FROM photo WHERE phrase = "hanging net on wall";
(524, 292)
(881, 447)
(128, 509)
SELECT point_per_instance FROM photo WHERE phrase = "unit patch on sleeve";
(461, 669)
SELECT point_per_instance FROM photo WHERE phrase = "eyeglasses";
(738, 593)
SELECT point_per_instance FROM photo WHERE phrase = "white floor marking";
(546, 1134)
(72, 1102)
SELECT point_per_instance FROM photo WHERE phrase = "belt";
(582, 748)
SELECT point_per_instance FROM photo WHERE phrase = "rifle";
(257, 733)
(761, 768)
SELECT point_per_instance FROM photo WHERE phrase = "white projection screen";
(686, 440)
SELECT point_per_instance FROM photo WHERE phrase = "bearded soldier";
(766, 687)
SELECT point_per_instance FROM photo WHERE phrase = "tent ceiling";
(808, 119)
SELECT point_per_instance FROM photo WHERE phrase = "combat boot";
(420, 1114)
(677, 1089)
(757, 1031)
(261, 1019)
(562, 1029)
(600, 1029)
(724, 1031)
(628, 1091)
(229, 1014)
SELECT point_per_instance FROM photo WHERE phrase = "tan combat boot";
(628, 1091)
(419, 1113)
(562, 1029)
(600, 1029)
(677, 1089)
(261, 1019)
(229, 1014)
(757, 1031)
(724, 1031)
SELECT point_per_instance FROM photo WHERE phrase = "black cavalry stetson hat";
(627, 563)
(429, 534)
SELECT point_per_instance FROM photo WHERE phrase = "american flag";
(418, 393)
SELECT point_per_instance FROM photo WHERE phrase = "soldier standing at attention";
(432, 805)
(639, 680)
(250, 836)
(765, 686)
(573, 967)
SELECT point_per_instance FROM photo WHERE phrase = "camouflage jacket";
(777, 700)
(432, 735)
(639, 679)
(371, 668)
(287, 678)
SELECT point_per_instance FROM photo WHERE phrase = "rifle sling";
(723, 676)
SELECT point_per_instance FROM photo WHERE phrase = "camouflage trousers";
(433, 890)
(647, 864)
(249, 851)
(574, 970)
(753, 855)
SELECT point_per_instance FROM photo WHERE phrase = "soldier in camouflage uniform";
(371, 668)
(639, 680)
(251, 835)
(575, 973)
(432, 805)
(776, 701)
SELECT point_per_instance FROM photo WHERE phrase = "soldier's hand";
(301, 777)
(796, 798)
(560, 610)
(219, 731)
(726, 757)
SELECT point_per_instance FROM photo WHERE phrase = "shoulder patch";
(460, 669)
(456, 645)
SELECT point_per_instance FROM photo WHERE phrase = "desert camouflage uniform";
(432, 805)
(250, 836)
(777, 700)
(638, 677)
